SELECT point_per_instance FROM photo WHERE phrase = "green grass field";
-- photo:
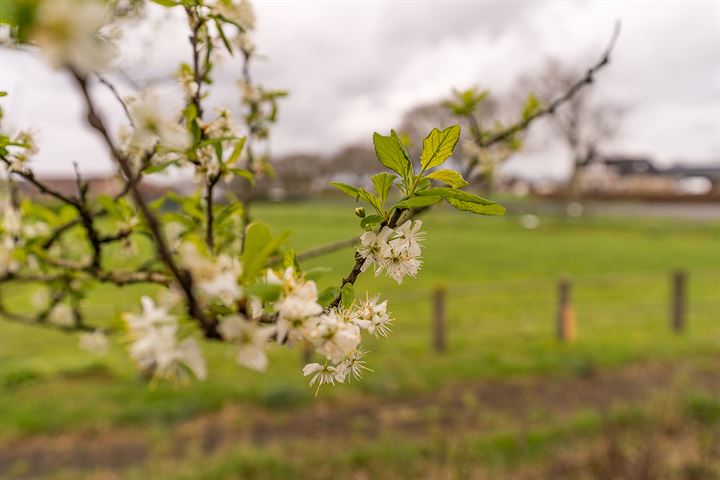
(501, 281)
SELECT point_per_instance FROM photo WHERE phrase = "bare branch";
(120, 100)
(182, 276)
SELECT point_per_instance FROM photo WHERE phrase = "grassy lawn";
(501, 282)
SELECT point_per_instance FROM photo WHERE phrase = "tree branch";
(586, 80)
(182, 276)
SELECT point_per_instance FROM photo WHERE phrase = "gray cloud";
(355, 67)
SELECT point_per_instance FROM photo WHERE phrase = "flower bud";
(360, 212)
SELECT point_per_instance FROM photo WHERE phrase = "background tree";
(583, 124)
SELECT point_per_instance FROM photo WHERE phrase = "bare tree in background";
(584, 123)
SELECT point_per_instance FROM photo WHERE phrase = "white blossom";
(400, 264)
(372, 244)
(323, 375)
(395, 251)
(156, 348)
(152, 126)
(250, 338)
(67, 32)
(216, 279)
(354, 364)
(335, 338)
(372, 315)
(406, 238)
(151, 316)
(159, 351)
(62, 315)
(297, 306)
(94, 342)
(11, 221)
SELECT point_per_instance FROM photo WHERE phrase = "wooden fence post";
(438, 326)
(678, 303)
(565, 312)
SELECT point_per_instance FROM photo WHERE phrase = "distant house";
(628, 175)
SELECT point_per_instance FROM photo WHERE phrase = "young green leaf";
(391, 153)
(374, 201)
(371, 220)
(403, 142)
(438, 146)
(259, 245)
(326, 297)
(465, 201)
(449, 177)
(383, 181)
(346, 189)
(417, 202)
(348, 295)
(267, 292)
(236, 151)
(478, 208)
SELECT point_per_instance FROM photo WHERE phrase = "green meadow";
(501, 281)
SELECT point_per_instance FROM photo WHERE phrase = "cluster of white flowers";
(396, 251)
(20, 153)
(208, 164)
(156, 347)
(68, 33)
(215, 278)
(336, 335)
(11, 227)
(151, 126)
(297, 308)
(249, 335)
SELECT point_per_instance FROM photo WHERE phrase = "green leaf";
(157, 168)
(403, 142)
(289, 260)
(259, 245)
(110, 206)
(326, 297)
(218, 27)
(371, 220)
(438, 146)
(383, 181)
(478, 208)
(449, 177)
(348, 295)
(417, 202)
(236, 151)
(246, 174)
(391, 153)
(3, 94)
(465, 201)
(346, 189)
(267, 292)
(374, 201)
(228, 212)
(166, 3)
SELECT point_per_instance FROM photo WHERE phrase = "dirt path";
(454, 409)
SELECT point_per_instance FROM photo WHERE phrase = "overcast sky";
(354, 67)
